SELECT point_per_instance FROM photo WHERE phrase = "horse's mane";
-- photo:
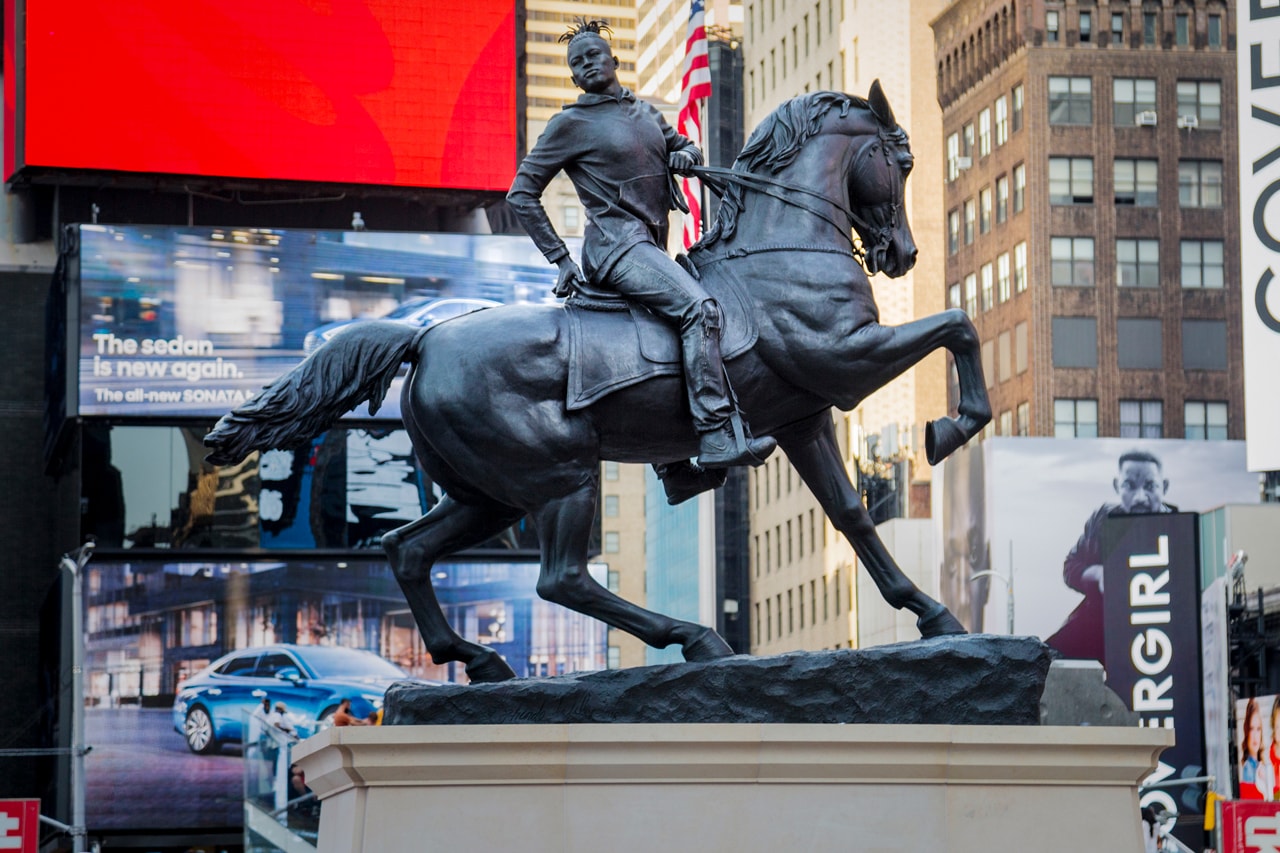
(774, 144)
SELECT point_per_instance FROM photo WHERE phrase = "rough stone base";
(978, 679)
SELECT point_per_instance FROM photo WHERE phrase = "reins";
(718, 178)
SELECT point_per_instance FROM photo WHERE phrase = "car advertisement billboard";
(393, 93)
(191, 322)
(180, 654)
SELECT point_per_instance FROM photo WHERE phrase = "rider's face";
(592, 64)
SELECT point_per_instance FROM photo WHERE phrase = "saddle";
(615, 343)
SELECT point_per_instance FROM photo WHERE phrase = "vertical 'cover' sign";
(1258, 75)
(1152, 617)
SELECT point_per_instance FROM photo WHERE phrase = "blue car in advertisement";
(212, 707)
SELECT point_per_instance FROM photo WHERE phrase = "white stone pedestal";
(740, 788)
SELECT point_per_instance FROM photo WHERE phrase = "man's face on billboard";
(1141, 486)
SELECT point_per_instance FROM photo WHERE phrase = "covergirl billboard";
(191, 322)
(395, 93)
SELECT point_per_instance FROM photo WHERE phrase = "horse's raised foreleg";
(412, 549)
(564, 528)
(895, 349)
(818, 461)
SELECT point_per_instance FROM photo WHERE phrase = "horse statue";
(512, 408)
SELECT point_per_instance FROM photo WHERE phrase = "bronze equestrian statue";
(511, 409)
(617, 151)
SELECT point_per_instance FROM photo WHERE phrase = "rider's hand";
(681, 162)
(570, 277)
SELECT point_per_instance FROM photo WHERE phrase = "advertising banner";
(1258, 33)
(191, 322)
(19, 825)
(180, 654)
(1151, 613)
(1214, 651)
(1257, 742)
(1029, 510)
(383, 92)
(1250, 827)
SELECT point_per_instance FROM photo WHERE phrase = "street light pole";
(74, 564)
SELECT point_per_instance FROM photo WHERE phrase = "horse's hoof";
(938, 622)
(706, 646)
(488, 667)
(941, 438)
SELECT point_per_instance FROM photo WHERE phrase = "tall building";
(803, 572)
(1090, 231)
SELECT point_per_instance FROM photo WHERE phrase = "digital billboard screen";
(395, 93)
(192, 322)
(179, 654)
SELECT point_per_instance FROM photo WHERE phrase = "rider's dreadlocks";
(582, 26)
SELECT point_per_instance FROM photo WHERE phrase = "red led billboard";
(400, 93)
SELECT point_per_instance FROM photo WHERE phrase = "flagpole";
(703, 211)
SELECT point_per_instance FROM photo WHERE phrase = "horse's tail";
(356, 366)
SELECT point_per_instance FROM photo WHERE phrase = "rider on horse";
(618, 151)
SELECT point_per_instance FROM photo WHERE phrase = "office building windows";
(1006, 423)
(1051, 26)
(1141, 419)
(1204, 344)
(971, 294)
(1130, 98)
(1139, 343)
(1137, 263)
(1020, 355)
(1149, 29)
(1002, 198)
(1181, 30)
(970, 215)
(1071, 261)
(966, 140)
(1075, 418)
(953, 296)
(1215, 31)
(1070, 180)
(988, 288)
(1019, 187)
(1004, 358)
(1070, 100)
(1023, 419)
(953, 231)
(953, 157)
(1002, 120)
(1004, 283)
(984, 132)
(1075, 342)
(984, 210)
(1200, 183)
(1020, 267)
(1136, 182)
(1206, 421)
(1201, 102)
(1202, 263)
(1086, 26)
(1016, 97)
(1117, 28)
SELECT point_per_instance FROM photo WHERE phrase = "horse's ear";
(880, 105)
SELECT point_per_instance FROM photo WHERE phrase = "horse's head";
(838, 157)
(876, 180)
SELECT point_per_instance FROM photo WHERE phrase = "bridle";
(718, 178)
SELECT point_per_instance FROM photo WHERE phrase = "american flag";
(695, 88)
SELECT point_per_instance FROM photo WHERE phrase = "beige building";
(803, 573)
